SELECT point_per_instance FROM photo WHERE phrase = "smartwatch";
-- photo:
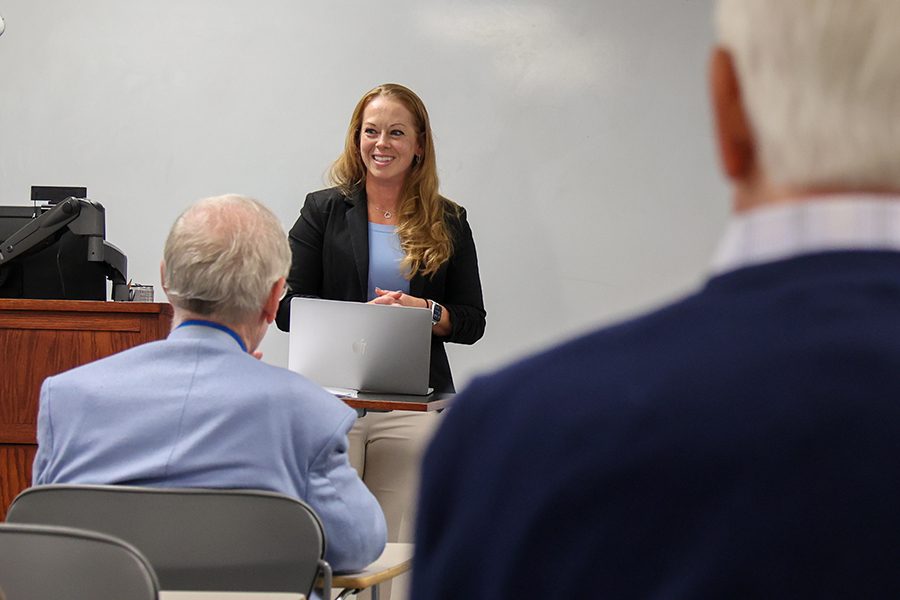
(436, 311)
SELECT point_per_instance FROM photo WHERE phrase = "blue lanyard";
(218, 326)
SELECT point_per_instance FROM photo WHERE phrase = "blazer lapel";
(358, 225)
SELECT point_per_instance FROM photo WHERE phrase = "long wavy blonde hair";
(422, 226)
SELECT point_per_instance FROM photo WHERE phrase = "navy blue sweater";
(743, 442)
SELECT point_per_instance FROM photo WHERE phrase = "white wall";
(575, 132)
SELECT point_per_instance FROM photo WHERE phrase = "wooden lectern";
(39, 338)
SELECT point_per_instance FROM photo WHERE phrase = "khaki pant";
(386, 450)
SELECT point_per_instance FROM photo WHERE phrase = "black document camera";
(62, 254)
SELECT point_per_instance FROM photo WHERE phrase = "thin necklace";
(387, 214)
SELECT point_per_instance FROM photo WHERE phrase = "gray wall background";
(577, 133)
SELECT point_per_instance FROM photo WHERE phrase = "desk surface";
(384, 402)
(396, 559)
(170, 595)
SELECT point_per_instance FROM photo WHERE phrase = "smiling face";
(388, 140)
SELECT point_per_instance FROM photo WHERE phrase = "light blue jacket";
(194, 410)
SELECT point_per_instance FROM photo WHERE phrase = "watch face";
(436, 312)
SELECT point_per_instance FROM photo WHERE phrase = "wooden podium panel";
(39, 338)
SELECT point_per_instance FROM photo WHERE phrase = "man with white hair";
(744, 441)
(198, 409)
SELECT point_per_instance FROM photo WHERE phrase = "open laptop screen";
(363, 347)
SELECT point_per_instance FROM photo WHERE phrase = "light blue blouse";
(384, 260)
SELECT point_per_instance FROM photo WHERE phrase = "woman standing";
(383, 234)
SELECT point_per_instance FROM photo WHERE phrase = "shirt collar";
(845, 222)
(217, 326)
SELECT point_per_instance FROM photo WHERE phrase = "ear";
(420, 146)
(162, 275)
(737, 146)
(270, 308)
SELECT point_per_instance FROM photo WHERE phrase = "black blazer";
(330, 250)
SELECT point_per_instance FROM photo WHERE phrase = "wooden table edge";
(415, 406)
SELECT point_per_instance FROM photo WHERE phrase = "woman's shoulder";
(454, 214)
(327, 195)
(329, 199)
(452, 210)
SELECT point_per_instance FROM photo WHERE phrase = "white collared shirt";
(837, 222)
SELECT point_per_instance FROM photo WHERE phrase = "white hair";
(222, 257)
(820, 80)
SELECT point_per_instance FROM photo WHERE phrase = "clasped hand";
(398, 298)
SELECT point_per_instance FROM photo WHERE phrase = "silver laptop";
(363, 347)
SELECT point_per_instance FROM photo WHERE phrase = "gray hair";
(821, 85)
(222, 257)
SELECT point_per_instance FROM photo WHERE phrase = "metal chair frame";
(41, 561)
(196, 539)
